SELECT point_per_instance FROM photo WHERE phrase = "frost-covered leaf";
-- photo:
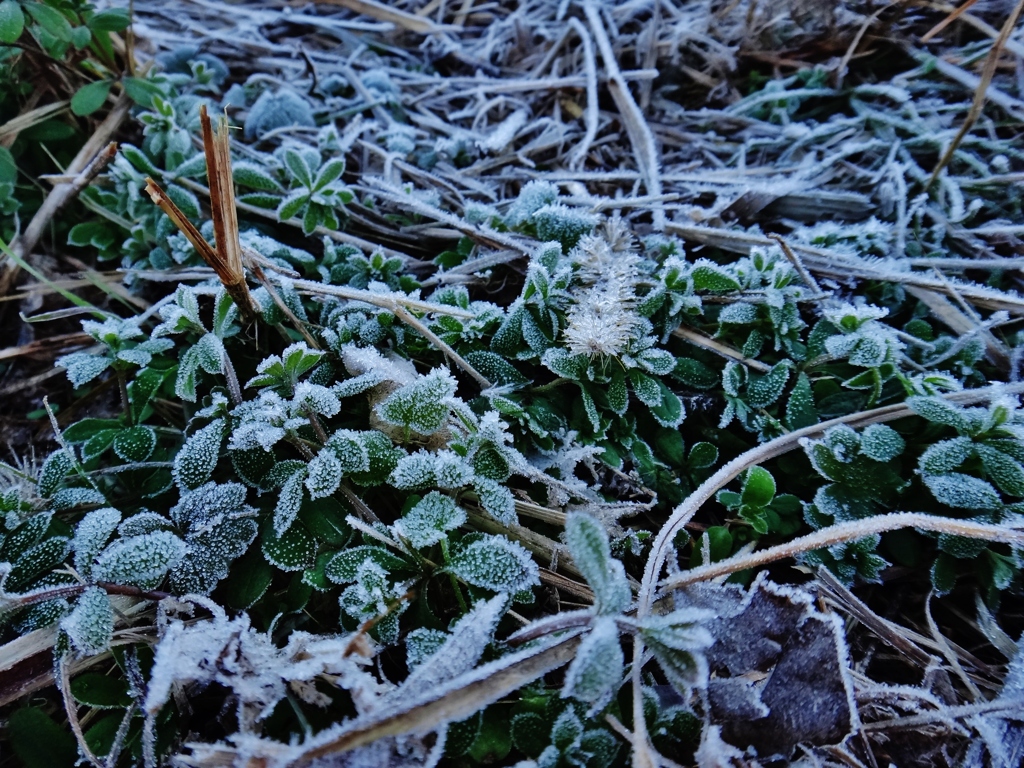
(82, 367)
(210, 552)
(56, 467)
(678, 640)
(423, 469)
(497, 564)
(946, 455)
(135, 443)
(351, 449)
(323, 475)
(277, 110)
(288, 502)
(345, 565)
(881, 442)
(763, 391)
(91, 624)
(206, 506)
(91, 535)
(195, 462)
(292, 550)
(708, 276)
(254, 176)
(315, 398)
(460, 651)
(1003, 470)
(140, 561)
(590, 550)
(422, 406)
(496, 499)
(939, 411)
(429, 521)
(421, 644)
(963, 491)
(596, 671)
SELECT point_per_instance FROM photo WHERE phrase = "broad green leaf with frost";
(91, 624)
(140, 561)
(497, 564)
(429, 521)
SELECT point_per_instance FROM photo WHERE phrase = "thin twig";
(808, 278)
(706, 342)
(437, 341)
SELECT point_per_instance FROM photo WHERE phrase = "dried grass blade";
(639, 132)
(228, 254)
(465, 695)
(953, 16)
(383, 12)
(979, 95)
(193, 235)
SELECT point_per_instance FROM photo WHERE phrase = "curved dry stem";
(780, 445)
(837, 534)
(579, 154)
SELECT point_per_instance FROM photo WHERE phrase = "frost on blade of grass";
(461, 650)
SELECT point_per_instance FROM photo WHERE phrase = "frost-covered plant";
(380, 493)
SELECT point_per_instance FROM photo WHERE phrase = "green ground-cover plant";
(368, 496)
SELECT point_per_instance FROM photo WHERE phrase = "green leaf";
(38, 742)
(12, 21)
(758, 488)
(254, 176)
(597, 669)
(325, 519)
(101, 691)
(80, 37)
(343, 568)
(710, 277)
(330, 172)
(296, 163)
(294, 550)
(248, 580)
(86, 429)
(763, 391)
(141, 91)
(56, 467)
(800, 409)
(702, 456)
(110, 20)
(102, 732)
(50, 20)
(135, 443)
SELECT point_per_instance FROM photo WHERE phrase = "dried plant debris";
(543, 384)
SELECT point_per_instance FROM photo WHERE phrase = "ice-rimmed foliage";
(331, 469)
